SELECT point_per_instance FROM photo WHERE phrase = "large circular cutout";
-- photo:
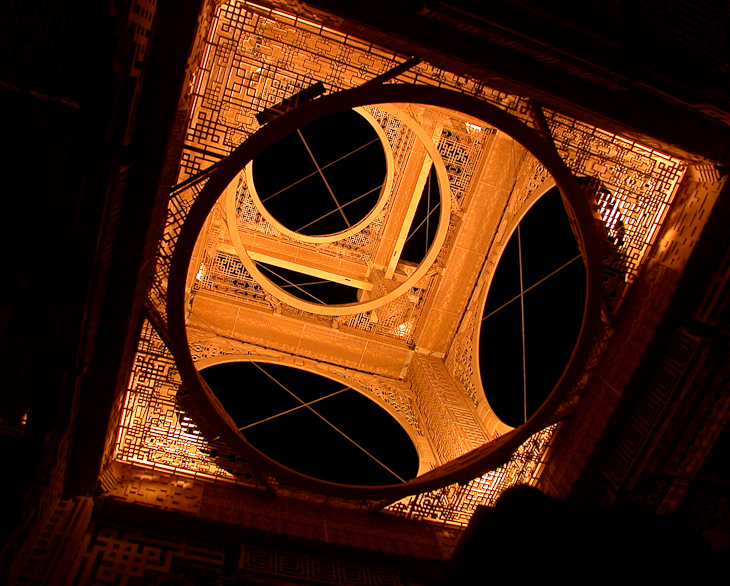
(313, 424)
(533, 312)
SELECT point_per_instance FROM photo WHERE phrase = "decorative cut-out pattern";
(452, 426)
(155, 432)
(634, 187)
(455, 504)
(255, 58)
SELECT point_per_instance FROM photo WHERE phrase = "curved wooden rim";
(361, 306)
(474, 463)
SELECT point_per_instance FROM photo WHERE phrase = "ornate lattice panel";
(633, 187)
(120, 555)
(253, 59)
(452, 425)
(455, 504)
(46, 559)
(399, 318)
(460, 363)
(154, 431)
(111, 555)
(461, 151)
(695, 198)
(308, 569)
(256, 57)
(226, 275)
(665, 384)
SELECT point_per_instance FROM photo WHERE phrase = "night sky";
(553, 312)
(309, 288)
(292, 190)
(303, 441)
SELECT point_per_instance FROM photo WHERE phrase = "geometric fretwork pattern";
(256, 57)
(112, 556)
(455, 504)
(155, 432)
(656, 400)
(118, 556)
(635, 185)
(262, 561)
(253, 59)
(452, 425)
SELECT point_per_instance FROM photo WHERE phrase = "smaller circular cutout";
(325, 177)
(355, 269)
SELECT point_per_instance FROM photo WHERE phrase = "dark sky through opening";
(307, 440)
(309, 288)
(302, 178)
(553, 278)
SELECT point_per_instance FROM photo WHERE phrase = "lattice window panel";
(664, 385)
(399, 318)
(426, 74)
(451, 424)
(177, 211)
(399, 140)
(113, 555)
(258, 56)
(227, 276)
(461, 153)
(452, 400)
(308, 569)
(117, 556)
(460, 363)
(637, 184)
(155, 432)
(455, 504)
